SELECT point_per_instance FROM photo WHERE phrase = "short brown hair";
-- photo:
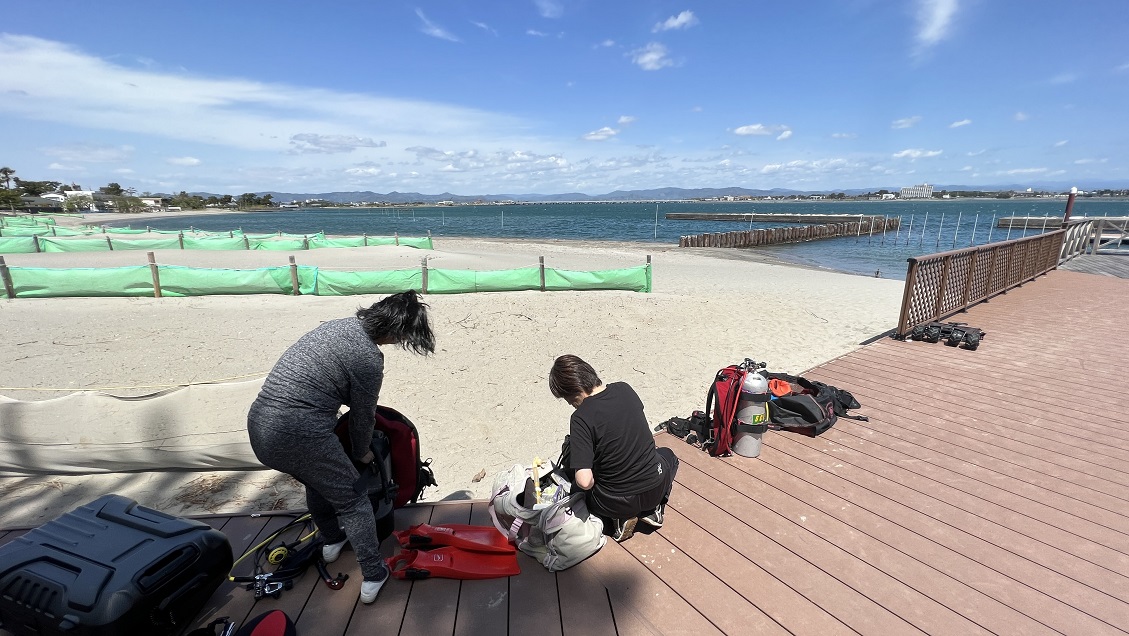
(571, 377)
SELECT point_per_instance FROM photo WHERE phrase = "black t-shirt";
(609, 434)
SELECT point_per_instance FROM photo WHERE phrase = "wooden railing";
(939, 285)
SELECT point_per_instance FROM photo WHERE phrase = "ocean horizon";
(927, 226)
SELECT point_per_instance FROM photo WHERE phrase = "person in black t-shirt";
(612, 450)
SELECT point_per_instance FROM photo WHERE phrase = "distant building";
(923, 191)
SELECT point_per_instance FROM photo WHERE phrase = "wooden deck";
(988, 493)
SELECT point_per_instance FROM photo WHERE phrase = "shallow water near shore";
(926, 226)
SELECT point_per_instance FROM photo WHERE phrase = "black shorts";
(626, 506)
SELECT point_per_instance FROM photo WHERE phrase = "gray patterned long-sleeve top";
(335, 364)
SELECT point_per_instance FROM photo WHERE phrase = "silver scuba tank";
(751, 409)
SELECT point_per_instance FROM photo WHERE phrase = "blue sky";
(555, 96)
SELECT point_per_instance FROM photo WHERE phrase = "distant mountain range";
(656, 194)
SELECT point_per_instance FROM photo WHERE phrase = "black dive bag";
(110, 567)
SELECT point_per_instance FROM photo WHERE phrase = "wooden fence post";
(423, 267)
(294, 276)
(7, 276)
(180, 237)
(396, 236)
(246, 243)
(110, 243)
(541, 264)
(156, 275)
(366, 239)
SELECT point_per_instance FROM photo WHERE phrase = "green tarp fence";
(174, 280)
(29, 240)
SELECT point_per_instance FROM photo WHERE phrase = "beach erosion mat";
(190, 428)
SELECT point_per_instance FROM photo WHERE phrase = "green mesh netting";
(41, 282)
(17, 245)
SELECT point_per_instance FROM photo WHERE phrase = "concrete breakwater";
(776, 235)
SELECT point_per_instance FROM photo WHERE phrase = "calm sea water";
(927, 226)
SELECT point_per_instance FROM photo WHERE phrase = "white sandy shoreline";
(481, 402)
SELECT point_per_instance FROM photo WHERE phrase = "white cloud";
(1060, 144)
(844, 135)
(625, 119)
(123, 171)
(601, 134)
(905, 122)
(683, 20)
(934, 20)
(536, 33)
(1083, 162)
(607, 43)
(182, 161)
(975, 153)
(966, 169)
(1021, 116)
(485, 27)
(916, 153)
(958, 124)
(1064, 78)
(63, 85)
(1123, 67)
(753, 129)
(434, 30)
(1023, 171)
(89, 153)
(784, 135)
(331, 144)
(696, 109)
(549, 8)
(364, 171)
(651, 57)
(54, 165)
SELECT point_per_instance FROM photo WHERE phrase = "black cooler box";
(110, 567)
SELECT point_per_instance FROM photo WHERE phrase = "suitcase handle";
(171, 563)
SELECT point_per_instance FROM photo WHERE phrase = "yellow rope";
(139, 386)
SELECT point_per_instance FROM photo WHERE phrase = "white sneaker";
(330, 551)
(369, 590)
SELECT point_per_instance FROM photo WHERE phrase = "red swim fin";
(452, 563)
(459, 535)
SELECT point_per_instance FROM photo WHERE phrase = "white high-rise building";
(923, 191)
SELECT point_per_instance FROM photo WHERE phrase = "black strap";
(751, 428)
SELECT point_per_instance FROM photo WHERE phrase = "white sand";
(481, 402)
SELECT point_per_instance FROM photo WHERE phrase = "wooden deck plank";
(231, 599)
(729, 611)
(585, 608)
(1045, 595)
(1031, 458)
(731, 555)
(975, 454)
(387, 614)
(483, 605)
(1060, 429)
(433, 610)
(637, 593)
(855, 560)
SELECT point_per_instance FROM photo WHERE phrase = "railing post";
(541, 266)
(423, 270)
(7, 276)
(938, 305)
(907, 297)
(968, 279)
(294, 277)
(156, 275)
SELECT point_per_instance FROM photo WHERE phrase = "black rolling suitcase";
(110, 567)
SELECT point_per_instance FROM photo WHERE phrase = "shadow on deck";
(987, 494)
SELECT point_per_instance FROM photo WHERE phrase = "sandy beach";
(481, 402)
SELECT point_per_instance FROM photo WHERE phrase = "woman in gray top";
(291, 423)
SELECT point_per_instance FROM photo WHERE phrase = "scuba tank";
(752, 411)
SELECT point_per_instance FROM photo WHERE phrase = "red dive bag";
(410, 473)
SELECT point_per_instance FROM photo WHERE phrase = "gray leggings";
(321, 464)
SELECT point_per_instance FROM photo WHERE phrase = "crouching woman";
(612, 449)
